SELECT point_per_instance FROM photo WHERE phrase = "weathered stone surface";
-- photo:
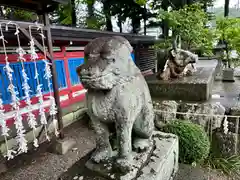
(170, 108)
(197, 87)
(228, 75)
(233, 123)
(164, 160)
(159, 161)
(109, 169)
(117, 95)
(207, 122)
(63, 146)
(225, 144)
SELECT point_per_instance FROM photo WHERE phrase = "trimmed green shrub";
(194, 144)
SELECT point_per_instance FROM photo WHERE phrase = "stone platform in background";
(160, 162)
(197, 87)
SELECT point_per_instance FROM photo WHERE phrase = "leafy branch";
(190, 24)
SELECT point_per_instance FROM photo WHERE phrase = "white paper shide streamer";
(39, 94)
(10, 153)
(48, 76)
(22, 142)
(30, 116)
(225, 125)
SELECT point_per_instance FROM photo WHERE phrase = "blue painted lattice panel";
(73, 63)
(61, 74)
(133, 57)
(30, 70)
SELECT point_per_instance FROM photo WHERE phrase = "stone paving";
(228, 92)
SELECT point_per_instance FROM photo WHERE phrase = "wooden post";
(54, 75)
(136, 53)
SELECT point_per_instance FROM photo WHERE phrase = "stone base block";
(63, 146)
(158, 162)
(163, 164)
(197, 87)
(228, 75)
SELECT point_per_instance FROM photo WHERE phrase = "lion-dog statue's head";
(107, 63)
(176, 63)
(182, 57)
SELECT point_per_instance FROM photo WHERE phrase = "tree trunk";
(119, 23)
(1, 12)
(109, 23)
(73, 13)
(165, 27)
(145, 20)
(205, 6)
(90, 7)
(90, 11)
(226, 13)
(226, 8)
(136, 22)
(107, 13)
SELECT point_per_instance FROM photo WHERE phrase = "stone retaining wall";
(224, 143)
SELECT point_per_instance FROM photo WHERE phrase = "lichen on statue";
(117, 94)
(179, 63)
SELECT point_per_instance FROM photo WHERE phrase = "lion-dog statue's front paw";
(101, 155)
(124, 164)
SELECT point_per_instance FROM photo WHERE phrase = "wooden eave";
(64, 35)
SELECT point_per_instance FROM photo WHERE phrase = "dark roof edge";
(64, 33)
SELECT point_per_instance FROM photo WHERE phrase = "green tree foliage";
(97, 21)
(63, 14)
(228, 31)
(174, 4)
(17, 14)
(194, 145)
(132, 9)
(66, 14)
(189, 23)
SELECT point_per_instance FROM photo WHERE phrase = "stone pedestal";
(197, 87)
(159, 162)
(63, 146)
(164, 160)
(228, 75)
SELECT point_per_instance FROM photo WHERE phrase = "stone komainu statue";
(175, 63)
(117, 94)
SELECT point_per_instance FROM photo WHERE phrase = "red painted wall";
(63, 55)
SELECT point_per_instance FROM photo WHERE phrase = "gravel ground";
(42, 165)
(187, 172)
